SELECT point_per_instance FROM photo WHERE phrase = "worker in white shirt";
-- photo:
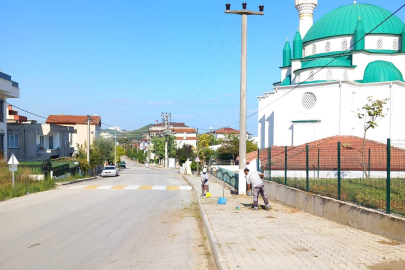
(204, 182)
(255, 181)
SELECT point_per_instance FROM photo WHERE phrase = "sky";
(130, 60)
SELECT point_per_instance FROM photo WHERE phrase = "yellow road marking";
(173, 188)
(145, 187)
(118, 187)
(91, 187)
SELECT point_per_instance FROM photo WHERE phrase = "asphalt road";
(106, 229)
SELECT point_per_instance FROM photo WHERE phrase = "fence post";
(389, 176)
(285, 169)
(369, 162)
(258, 159)
(307, 164)
(319, 150)
(339, 178)
(269, 165)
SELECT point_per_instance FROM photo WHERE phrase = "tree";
(230, 146)
(120, 153)
(159, 146)
(371, 113)
(106, 148)
(182, 154)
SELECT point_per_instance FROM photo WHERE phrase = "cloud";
(215, 99)
(159, 103)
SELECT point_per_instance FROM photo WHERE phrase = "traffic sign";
(197, 160)
(13, 160)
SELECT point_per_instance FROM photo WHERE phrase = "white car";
(109, 171)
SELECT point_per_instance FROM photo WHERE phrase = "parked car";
(122, 165)
(109, 171)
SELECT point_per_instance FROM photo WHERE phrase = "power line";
(335, 57)
(206, 69)
(202, 58)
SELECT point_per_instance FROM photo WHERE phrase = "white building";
(312, 101)
(8, 89)
(184, 135)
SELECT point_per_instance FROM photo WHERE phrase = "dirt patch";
(390, 243)
(390, 265)
(270, 217)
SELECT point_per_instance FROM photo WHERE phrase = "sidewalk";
(285, 238)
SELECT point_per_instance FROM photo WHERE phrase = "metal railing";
(227, 176)
(375, 179)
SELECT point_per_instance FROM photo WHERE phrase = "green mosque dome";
(382, 71)
(343, 21)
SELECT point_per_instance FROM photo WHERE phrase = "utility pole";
(166, 119)
(198, 155)
(243, 95)
(115, 156)
(88, 138)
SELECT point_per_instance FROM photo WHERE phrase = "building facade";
(334, 66)
(79, 124)
(39, 141)
(185, 135)
(8, 89)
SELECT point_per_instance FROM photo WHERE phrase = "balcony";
(48, 153)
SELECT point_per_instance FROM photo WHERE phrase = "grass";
(370, 193)
(71, 178)
(23, 183)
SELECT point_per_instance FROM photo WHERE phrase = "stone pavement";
(285, 238)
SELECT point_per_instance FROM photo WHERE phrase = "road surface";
(128, 222)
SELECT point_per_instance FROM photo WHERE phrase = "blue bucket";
(222, 200)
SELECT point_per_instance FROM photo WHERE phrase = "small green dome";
(382, 71)
(343, 21)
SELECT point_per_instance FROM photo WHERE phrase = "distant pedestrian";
(204, 182)
(255, 181)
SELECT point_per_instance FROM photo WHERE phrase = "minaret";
(359, 36)
(297, 45)
(287, 54)
(306, 10)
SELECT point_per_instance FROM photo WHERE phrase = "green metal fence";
(374, 179)
(225, 175)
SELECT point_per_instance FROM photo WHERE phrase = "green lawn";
(366, 192)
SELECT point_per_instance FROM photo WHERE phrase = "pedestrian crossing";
(128, 187)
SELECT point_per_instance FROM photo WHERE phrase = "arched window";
(395, 45)
(313, 49)
(311, 76)
(297, 79)
(344, 45)
(303, 52)
(308, 100)
(345, 75)
(327, 46)
(379, 43)
(329, 75)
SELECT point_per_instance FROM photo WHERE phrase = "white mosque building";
(312, 101)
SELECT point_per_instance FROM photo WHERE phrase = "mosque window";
(311, 76)
(308, 100)
(344, 45)
(329, 75)
(313, 49)
(395, 44)
(327, 47)
(345, 75)
(380, 44)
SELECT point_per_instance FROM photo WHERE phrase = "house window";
(395, 45)
(327, 47)
(50, 142)
(329, 75)
(344, 45)
(314, 49)
(311, 76)
(2, 111)
(41, 141)
(379, 43)
(12, 141)
(2, 143)
(345, 75)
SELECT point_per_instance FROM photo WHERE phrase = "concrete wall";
(345, 213)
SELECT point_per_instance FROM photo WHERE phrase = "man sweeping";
(255, 181)
(204, 182)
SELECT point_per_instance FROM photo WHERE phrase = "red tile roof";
(72, 120)
(186, 139)
(351, 155)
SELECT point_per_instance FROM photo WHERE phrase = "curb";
(219, 260)
(77, 181)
